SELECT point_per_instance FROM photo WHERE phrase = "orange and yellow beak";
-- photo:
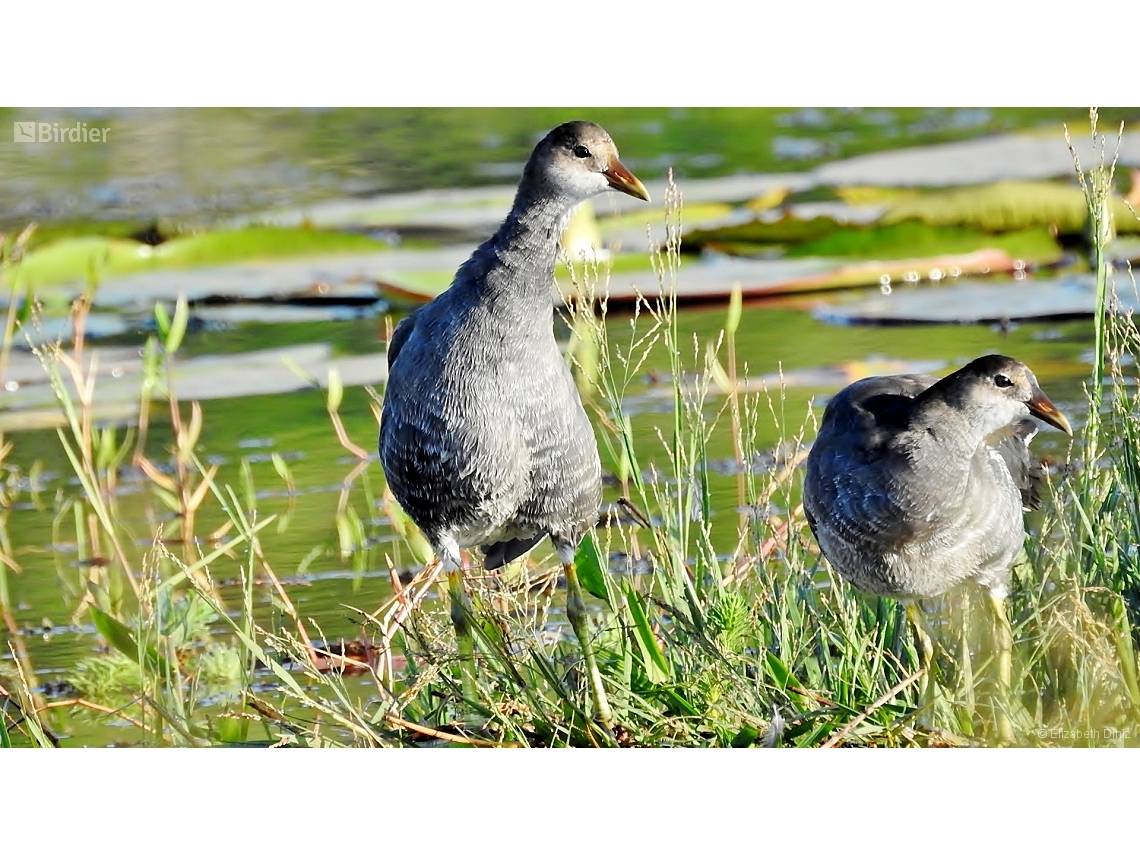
(622, 179)
(1047, 411)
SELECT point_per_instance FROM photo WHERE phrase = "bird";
(483, 438)
(916, 485)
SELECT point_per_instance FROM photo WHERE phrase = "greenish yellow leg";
(1003, 641)
(926, 648)
(461, 620)
(576, 612)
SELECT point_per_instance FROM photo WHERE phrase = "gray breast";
(484, 438)
(900, 513)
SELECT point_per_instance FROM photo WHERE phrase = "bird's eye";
(1002, 381)
(581, 151)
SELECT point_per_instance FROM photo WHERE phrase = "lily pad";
(969, 302)
(912, 238)
(81, 259)
(93, 258)
(31, 405)
(786, 230)
(696, 212)
(826, 237)
(224, 247)
(1008, 206)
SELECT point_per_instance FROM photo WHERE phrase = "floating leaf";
(1008, 206)
(76, 258)
(787, 229)
(915, 239)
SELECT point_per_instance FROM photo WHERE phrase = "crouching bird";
(483, 437)
(916, 485)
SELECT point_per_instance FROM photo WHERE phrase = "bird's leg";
(576, 612)
(1003, 641)
(926, 648)
(461, 620)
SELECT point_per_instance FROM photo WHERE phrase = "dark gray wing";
(400, 335)
(849, 490)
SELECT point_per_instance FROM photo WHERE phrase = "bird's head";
(578, 160)
(1000, 390)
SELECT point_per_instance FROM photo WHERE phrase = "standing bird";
(915, 485)
(483, 437)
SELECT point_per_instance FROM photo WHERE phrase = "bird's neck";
(526, 248)
(957, 433)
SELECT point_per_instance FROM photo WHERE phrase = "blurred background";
(198, 166)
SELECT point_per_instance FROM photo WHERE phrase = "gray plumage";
(915, 485)
(483, 437)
